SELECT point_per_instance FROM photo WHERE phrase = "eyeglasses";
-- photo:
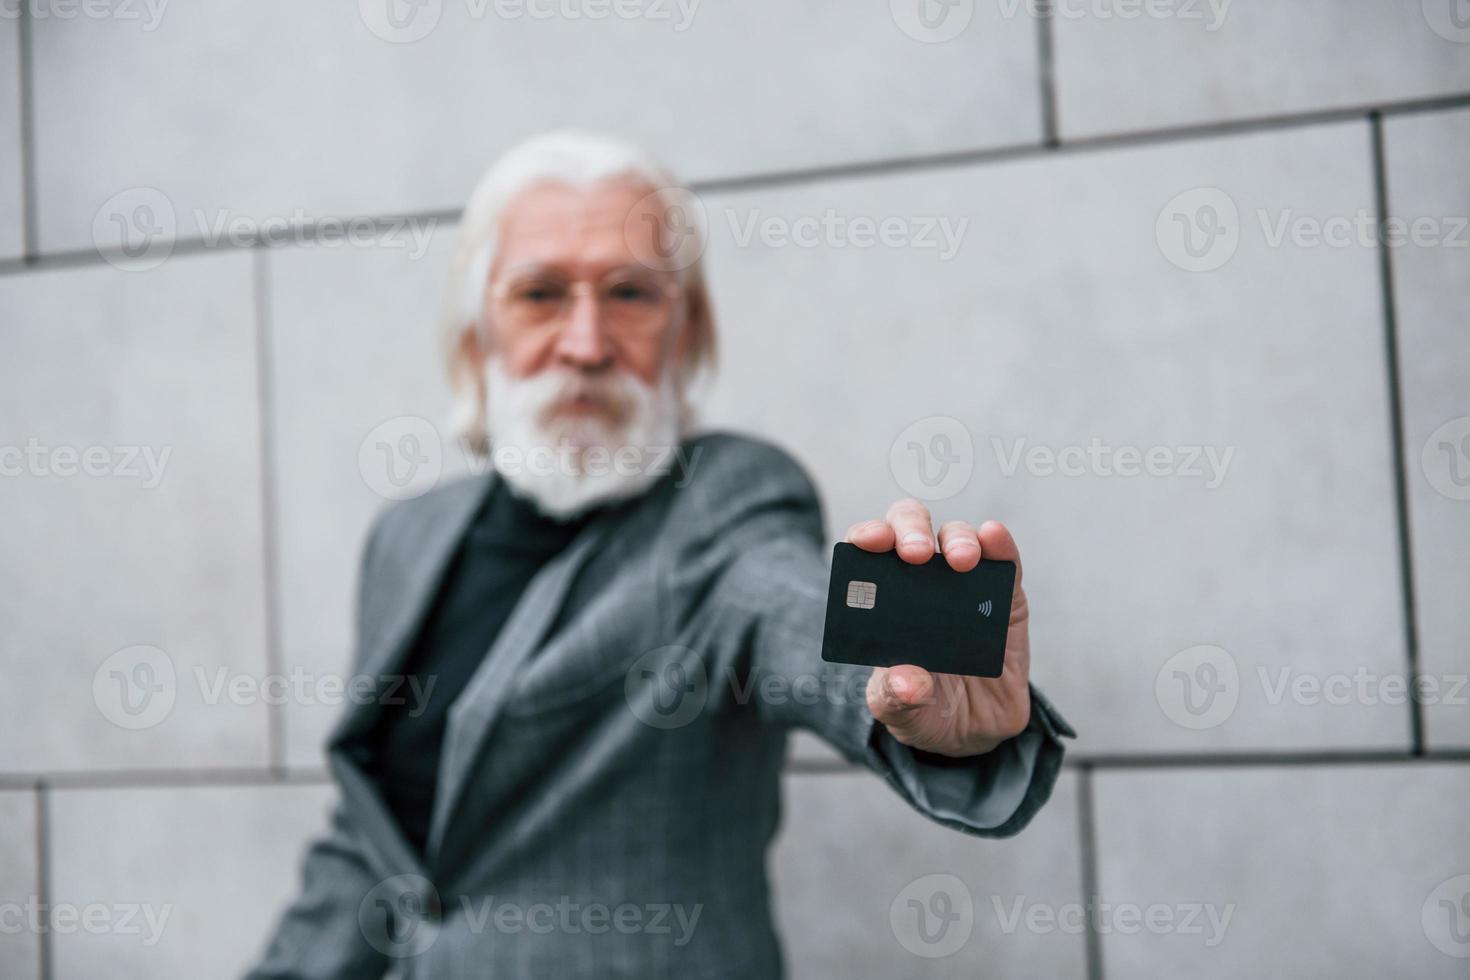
(630, 302)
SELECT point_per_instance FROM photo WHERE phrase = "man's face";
(583, 336)
(577, 248)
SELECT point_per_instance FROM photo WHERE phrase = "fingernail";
(915, 537)
(898, 684)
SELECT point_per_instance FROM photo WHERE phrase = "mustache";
(608, 391)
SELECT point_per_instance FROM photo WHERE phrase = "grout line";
(1087, 848)
(1396, 432)
(1046, 73)
(125, 779)
(73, 258)
(29, 225)
(309, 775)
(265, 775)
(270, 557)
(1244, 760)
(43, 874)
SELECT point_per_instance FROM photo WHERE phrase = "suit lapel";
(435, 536)
(473, 714)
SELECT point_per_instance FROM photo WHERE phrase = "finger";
(913, 530)
(960, 544)
(997, 544)
(871, 535)
(895, 694)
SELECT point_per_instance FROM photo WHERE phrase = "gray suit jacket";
(610, 777)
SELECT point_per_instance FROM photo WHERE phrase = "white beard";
(568, 464)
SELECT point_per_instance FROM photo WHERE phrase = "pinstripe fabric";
(610, 779)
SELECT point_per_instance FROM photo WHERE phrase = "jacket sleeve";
(321, 934)
(769, 610)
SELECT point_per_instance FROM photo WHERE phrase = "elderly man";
(617, 652)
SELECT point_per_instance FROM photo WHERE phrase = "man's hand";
(950, 714)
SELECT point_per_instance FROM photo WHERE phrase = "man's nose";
(583, 339)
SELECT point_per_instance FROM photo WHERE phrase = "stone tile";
(354, 355)
(1194, 66)
(852, 854)
(341, 121)
(206, 869)
(1067, 313)
(1331, 871)
(129, 421)
(1428, 157)
(20, 943)
(12, 208)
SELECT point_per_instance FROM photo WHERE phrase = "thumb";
(896, 695)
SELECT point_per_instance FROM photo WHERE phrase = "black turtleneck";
(506, 545)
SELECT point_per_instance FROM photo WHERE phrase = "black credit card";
(882, 612)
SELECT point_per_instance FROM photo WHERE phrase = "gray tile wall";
(1126, 228)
